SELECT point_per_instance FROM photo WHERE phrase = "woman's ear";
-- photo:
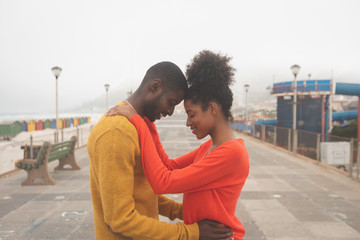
(213, 108)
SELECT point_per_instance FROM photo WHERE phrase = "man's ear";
(156, 85)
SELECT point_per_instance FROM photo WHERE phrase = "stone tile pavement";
(63, 211)
(285, 197)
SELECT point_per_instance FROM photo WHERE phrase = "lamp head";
(246, 87)
(107, 86)
(56, 70)
(295, 69)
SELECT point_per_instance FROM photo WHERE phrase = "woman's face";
(201, 122)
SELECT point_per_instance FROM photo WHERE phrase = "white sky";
(115, 42)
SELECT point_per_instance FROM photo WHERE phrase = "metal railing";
(342, 153)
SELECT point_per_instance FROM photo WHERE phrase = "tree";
(348, 131)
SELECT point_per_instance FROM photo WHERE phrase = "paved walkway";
(284, 197)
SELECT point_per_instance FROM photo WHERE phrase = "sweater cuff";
(193, 230)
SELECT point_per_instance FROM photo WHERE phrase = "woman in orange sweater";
(211, 176)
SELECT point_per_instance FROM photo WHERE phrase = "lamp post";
(56, 71)
(246, 87)
(107, 86)
(295, 70)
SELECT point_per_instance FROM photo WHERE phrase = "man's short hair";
(171, 76)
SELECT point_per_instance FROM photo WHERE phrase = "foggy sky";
(115, 42)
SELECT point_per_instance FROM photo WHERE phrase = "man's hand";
(213, 230)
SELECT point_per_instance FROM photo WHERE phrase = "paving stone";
(286, 230)
(255, 195)
(243, 214)
(13, 202)
(279, 215)
(290, 176)
(258, 176)
(300, 203)
(252, 231)
(303, 185)
(311, 215)
(337, 230)
(287, 195)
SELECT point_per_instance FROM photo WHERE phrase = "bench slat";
(57, 155)
(68, 148)
(60, 150)
(62, 144)
(56, 146)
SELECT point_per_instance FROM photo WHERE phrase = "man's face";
(163, 104)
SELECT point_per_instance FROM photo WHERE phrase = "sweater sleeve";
(171, 164)
(116, 183)
(170, 208)
(213, 171)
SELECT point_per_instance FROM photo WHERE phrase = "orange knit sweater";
(211, 181)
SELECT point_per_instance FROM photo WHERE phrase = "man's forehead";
(177, 96)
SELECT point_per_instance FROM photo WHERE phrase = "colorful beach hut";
(75, 122)
(39, 125)
(47, 124)
(53, 124)
(15, 128)
(60, 123)
(31, 126)
(10, 128)
(24, 126)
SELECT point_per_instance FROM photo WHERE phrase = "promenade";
(285, 197)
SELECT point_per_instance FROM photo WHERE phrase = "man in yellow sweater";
(125, 206)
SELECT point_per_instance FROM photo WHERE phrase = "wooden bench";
(37, 169)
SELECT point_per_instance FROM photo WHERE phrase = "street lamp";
(246, 87)
(295, 70)
(107, 86)
(56, 71)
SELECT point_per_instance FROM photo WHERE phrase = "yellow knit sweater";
(125, 207)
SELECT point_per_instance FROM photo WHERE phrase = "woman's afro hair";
(209, 76)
